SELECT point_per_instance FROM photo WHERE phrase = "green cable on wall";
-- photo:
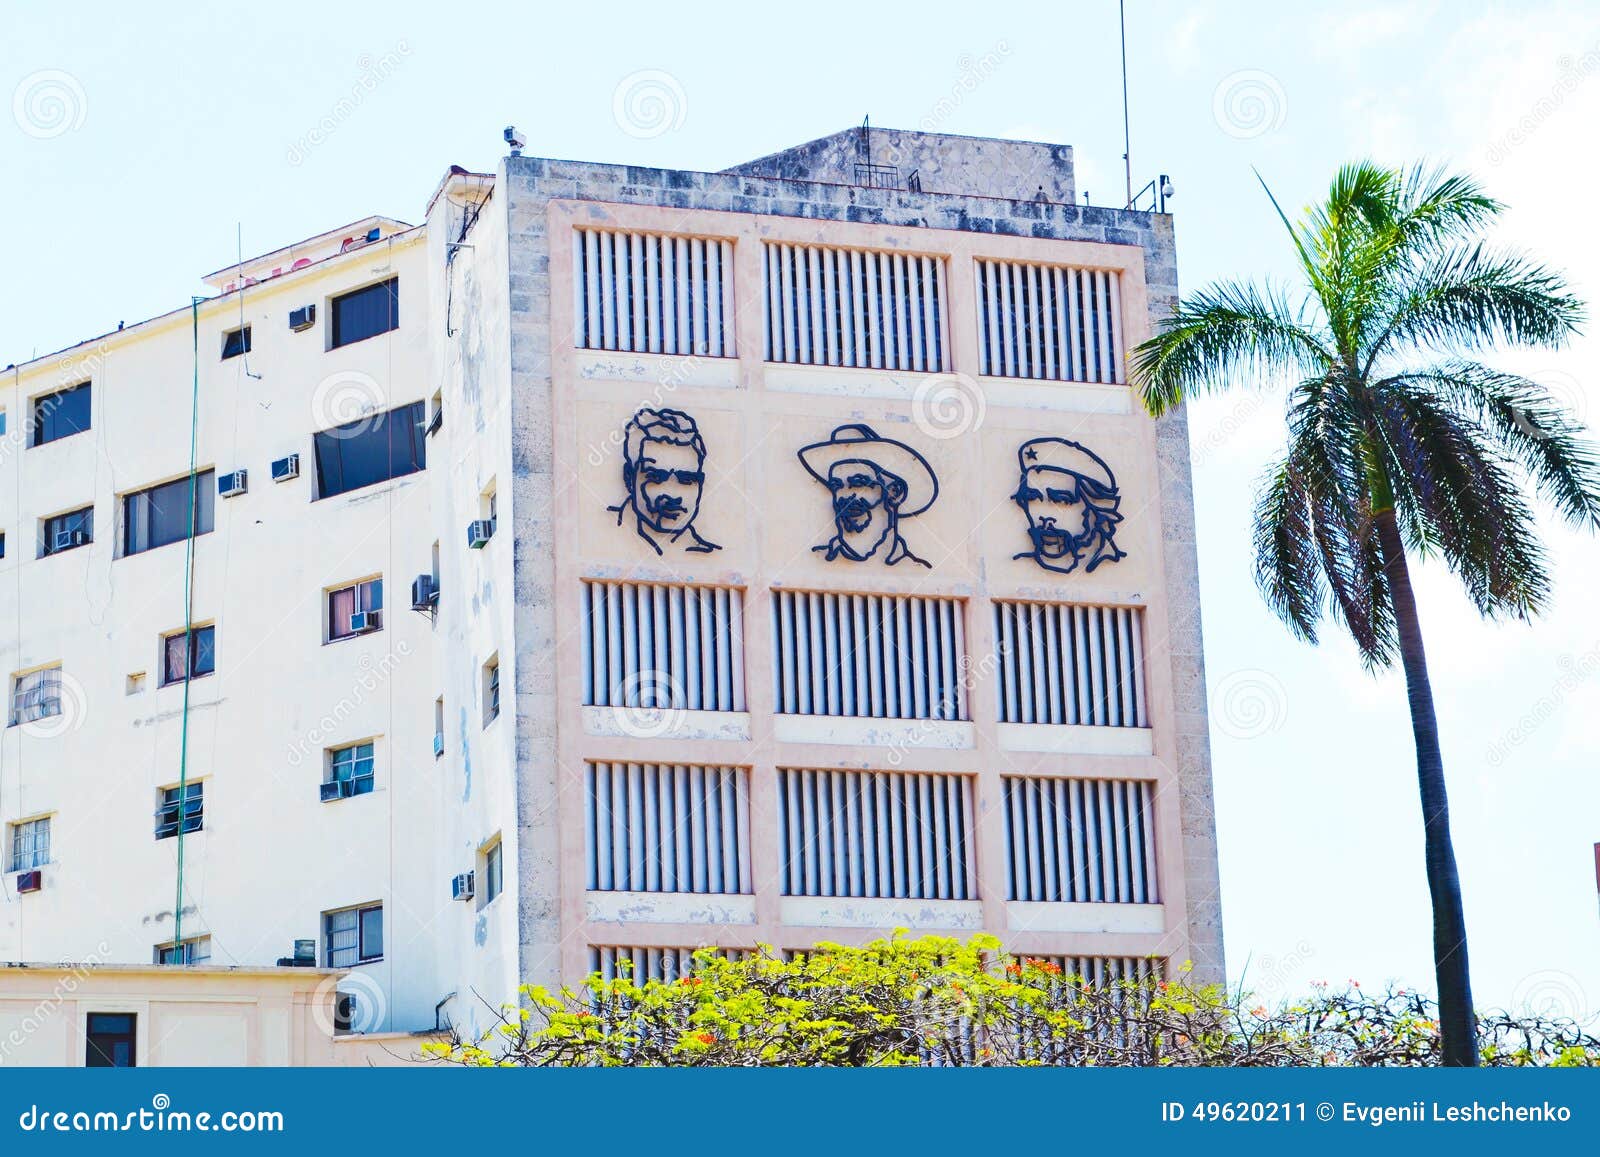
(188, 622)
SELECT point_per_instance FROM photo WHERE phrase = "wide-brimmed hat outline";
(860, 441)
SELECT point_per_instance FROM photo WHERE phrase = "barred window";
(1046, 321)
(827, 306)
(881, 656)
(36, 695)
(652, 293)
(1063, 663)
(30, 845)
(876, 834)
(645, 964)
(662, 645)
(1080, 840)
(655, 827)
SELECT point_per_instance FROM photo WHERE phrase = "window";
(191, 660)
(110, 1042)
(1077, 665)
(36, 695)
(876, 834)
(435, 423)
(1080, 840)
(61, 414)
(673, 646)
(65, 531)
(366, 312)
(882, 656)
(196, 951)
(653, 293)
(491, 690)
(353, 936)
(162, 514)
(438, 727)
(345, 603)
(1042, 321)
(659, 827)
(371, 450)
(2, 533)
(352, 766)
(135, 683)
(30, 845)
(181, 808)
(849, 307)
(493, 872)
(235, 342)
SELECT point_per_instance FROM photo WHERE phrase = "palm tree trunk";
(1457, 1022)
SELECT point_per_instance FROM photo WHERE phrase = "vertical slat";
(593, 338)
(1114, 328)
(590, 831)
(1035, 320)
(787, 650)
(1016, 840)
(742, 829)
(830, 643)
(1079, 832)
(914, 307)
(1148, 821)
(1136, 666)
(816, 634)
(792, 828)
(1074, 336)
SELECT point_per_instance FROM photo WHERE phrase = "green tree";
(1400, 443)
(939, 1002)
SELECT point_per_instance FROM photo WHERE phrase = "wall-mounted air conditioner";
(438, 744)
(363, 621)
(461, 887)
(284, 469)
(335, 789)
(424, 593)
(30, 881)
(480, 532)
(67, 539)
(303, 318)
(230, 485)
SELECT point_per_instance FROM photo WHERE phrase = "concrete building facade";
(791, 561)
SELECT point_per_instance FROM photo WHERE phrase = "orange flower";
(1014, 969)
(706, 1038)
(1051, 967)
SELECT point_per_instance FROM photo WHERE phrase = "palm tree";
(1400, 443)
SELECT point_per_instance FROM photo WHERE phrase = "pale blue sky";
(182, 122)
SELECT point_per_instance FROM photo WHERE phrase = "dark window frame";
(59, 522)
(368, 596)
(361, 782)
(364, 310)
(361, 912)
(192, 815)
(138, 535)
(103, 1034)
(371, 450)
(202, 649)
(44, 416)
(236, 342)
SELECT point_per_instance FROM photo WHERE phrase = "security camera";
(1166, 186)
(515, 139)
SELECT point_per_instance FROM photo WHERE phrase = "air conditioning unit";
(335, 789)
(303, 318)
(67, 539)
(305, 955)
(284, 469)
(424, 593)
(33, 881)
(461, 888)
(438, 744)
(231, 484)
(363, 621)
(479, 533)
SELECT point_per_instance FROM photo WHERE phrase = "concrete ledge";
(1043, 394)
(1075, 739)
(672, 370)
(1030, 916)
(849, 912)
(862, 732)
(665, 723)
(668, 908)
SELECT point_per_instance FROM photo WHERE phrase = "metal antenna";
(1127, 163)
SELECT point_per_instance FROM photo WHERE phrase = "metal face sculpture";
(874, 483)
(663, 468)
(1070, 498)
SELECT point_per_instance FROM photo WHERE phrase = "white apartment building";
(675, 559)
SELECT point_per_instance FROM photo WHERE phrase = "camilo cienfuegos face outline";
(874, 484)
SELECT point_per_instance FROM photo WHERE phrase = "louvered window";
(866, 309)
(1062, 663)
(876, 834)
(653, 293)
(645, 964)
(881, 656)
(1080, 840)
(662, 645)
(1045, 321)
(655, 827)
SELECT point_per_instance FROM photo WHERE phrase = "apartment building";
(214, 754)
(671, 559)
(836, 582)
